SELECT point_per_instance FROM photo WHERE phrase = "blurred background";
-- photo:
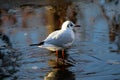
(93, 56)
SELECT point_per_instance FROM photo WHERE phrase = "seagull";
(59, 39)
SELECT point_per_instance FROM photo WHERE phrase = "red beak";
(77, 26)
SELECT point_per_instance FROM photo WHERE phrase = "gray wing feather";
(59, 38)
(52, 35)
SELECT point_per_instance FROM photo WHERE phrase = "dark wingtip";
(33, 45)
(41, 43)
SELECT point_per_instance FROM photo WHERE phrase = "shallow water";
(90, 57)
(85, 60)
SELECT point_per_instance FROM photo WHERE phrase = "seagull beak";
(77, 26)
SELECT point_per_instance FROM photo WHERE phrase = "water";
(90, 57)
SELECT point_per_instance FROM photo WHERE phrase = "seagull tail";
(41, 43)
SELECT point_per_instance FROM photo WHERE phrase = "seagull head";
(68, 25)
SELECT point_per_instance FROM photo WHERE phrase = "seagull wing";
(59, 38)
(52, 35)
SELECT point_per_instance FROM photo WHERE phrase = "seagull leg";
(57, 55)
(63, 55)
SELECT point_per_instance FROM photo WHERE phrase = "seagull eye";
(71, 24)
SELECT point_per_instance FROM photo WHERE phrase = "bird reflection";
(60, 71)
(59, 74)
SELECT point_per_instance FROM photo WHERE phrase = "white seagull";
(60, 39)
